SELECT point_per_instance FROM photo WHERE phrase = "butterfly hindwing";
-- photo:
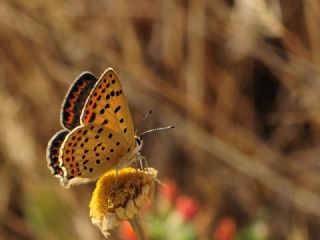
(89, 151)
(53, 151)
(75, 99)
(107, 106)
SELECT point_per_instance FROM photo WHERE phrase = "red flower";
(187, 207)
(126, 232)
(225, 230)
(169, 190)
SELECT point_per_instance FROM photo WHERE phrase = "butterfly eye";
(138, 141)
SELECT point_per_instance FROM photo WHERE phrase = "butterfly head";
(139, 142)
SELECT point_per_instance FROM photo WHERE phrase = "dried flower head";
(119, 196)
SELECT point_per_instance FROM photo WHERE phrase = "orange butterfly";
(98, 131)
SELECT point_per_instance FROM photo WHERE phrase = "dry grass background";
(239, 79)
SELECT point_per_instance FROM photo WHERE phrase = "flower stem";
(137, 226)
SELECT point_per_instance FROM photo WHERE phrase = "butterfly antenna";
(147, 115)
(155, 130)
(143, 119)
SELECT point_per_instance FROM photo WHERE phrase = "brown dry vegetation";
(239, 79)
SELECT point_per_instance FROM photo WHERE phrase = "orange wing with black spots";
(75, 99)
(89, 151)
(108, 106)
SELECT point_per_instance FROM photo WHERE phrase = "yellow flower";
(119, 196)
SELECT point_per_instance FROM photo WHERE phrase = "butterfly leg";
(143, 162)
(132, 159)
(144, 165)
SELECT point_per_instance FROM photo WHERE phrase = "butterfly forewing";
(90, 150)
(75, 99)
(107, 105)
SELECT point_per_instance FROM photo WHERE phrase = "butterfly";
(98, 133)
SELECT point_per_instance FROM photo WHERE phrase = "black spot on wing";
(75, 100)
(92, 117)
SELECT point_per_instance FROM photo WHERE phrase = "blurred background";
(239, 79)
